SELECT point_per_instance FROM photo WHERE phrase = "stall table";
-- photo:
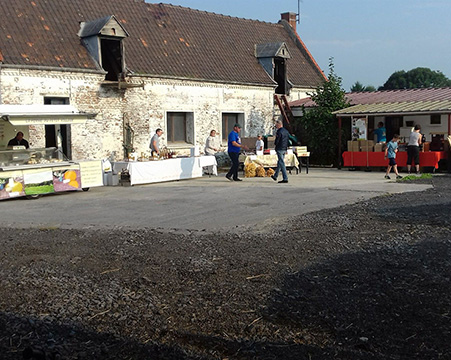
(270, 161)
(376, 159)
(147, 172)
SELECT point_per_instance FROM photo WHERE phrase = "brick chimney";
(290, 17)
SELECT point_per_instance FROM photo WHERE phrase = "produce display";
(250, 170)
(260, 171)
(34, 160)
(270, 172)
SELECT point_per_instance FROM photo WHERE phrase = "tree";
(318, 127)
(358, 87)
(419, 77)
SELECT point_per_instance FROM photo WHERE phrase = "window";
(49, 100)
(228, 121)
(436, 119)
(180, 127)
(280, 75)
(111, 58)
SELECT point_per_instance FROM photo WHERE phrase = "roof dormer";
(273, 56)
(103, 40)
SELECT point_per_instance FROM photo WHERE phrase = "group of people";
(413, 152)
(234, 147)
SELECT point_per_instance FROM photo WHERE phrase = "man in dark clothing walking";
(281, 145)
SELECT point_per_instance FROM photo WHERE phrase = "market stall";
(396, 112)
(34, 172)
(153, 171)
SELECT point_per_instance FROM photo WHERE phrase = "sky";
(368, 39)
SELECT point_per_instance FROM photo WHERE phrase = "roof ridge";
(216, 14)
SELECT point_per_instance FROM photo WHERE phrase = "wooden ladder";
(285, 110)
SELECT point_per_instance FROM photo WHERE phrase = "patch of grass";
(416, 177)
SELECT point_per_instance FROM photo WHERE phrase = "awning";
(19, 115)
(398, 108)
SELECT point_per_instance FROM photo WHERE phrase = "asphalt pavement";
(206, 203)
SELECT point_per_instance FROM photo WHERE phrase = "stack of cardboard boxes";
(379, 147)
(364, 145)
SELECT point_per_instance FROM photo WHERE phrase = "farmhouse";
(131, 67)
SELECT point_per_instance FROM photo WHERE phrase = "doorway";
(393, 124)
(58, 136)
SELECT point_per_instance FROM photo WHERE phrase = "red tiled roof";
(388, 97)
(165, 40)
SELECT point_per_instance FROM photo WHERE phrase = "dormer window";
(273, 57)
(103, 39)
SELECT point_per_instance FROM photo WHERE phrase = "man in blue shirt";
(281, 145)
(233, 149)
(381, 133)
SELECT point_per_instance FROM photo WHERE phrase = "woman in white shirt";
(413, 149)
(211, 148)
(211, 145)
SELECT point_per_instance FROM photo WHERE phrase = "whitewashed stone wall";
(144, 108)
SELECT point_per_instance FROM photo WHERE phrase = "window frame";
(433, 119)
(239, 118)
(189, 129)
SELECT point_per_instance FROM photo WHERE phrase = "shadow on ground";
(390, 304)
(27, 338)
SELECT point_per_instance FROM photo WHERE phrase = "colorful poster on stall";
(11, 184)
(38, 181)
(66, 178)
(358, 128)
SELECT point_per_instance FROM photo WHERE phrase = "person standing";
(381, 133)
(259, 144)
(281, 145)
(155, 142)
(390, 153)
(18, 140)
(233, 149)
(413, 149)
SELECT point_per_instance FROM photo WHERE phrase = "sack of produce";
(250, 170)
(261, 171)
(270, 172)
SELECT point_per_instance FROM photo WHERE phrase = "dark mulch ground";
(366, 281)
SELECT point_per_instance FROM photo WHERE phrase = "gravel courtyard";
(364, 281)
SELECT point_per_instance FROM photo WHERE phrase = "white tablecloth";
(147, 172)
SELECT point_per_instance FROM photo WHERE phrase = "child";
(390, 153)
(259, 145)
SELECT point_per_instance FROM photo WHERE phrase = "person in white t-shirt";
(413, 149)
(259, 145)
